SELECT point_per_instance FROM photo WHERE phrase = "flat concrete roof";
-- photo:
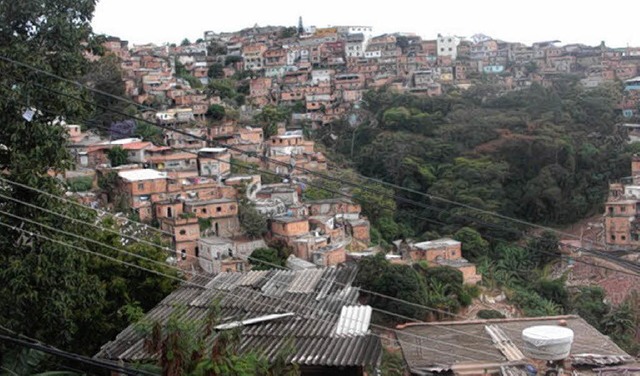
(142, 174)
(446, 242)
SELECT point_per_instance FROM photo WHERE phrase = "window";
(183, 232)
(219, 209)
(623, 237)
(610, 209)
(232, 207)
(622, 208)
(441, 49)
(184, 254)
(613, 237)
(204, 210)
(450, 49)
(140, 186)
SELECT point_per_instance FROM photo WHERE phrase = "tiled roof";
(322, 332)
(136, 145)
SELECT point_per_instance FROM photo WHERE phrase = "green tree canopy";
(117, 156)
(216, 70)
(266, 259)
(216, 112)
(251, 221)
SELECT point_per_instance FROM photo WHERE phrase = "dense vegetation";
(440, 288)
(543, 154)
(54, 285)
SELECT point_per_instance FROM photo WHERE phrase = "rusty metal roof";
(303, 308)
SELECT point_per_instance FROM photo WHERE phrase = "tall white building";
(448, 45)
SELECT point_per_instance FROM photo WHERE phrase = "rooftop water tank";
(547, 342)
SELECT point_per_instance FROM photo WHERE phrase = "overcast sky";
(159, 21)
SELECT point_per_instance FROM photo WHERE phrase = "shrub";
(80, 184)
(487, 314)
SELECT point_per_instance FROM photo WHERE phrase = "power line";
(84, 238)
(324, 176)
(392, 210)
(98, 211)
(240, 297)
(629, 264)
(119, 233)
(264, 262)
(24, 341)
(400, 198)
(396, 197)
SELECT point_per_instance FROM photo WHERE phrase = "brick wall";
(213, 210)
(289, 229)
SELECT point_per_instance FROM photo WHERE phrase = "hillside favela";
(314, 200)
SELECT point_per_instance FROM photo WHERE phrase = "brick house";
(442, 248)
(274, 57)
(330, 255)
(216, 208)
(185, 234)
(622, 228)
(442, 252)
(173, 162)
(218, 255)
(140, 186)
(305, 245)
(287, 228)
(359, 229)
(252, 56)
(250, 135)
(168, 208)
(335, 206)
(214, 162)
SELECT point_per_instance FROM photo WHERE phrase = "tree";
(251, 221)
(544, 248)
(288, 32)
(50, 288)
(266, 259)
(46, 288)
(216, 112)
(232, 59)
(589, 303)
(105, 75)
(185, 348)
(216, 70)
(225, 88)
(215, 48)
(269, 118)
(149, 132)
(620, 324)
(400, 281)
(473, 245)
(117, 156)
(185, 42)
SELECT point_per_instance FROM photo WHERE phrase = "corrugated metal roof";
(599, 360)
(305, 308)
(354, 320)
(467, 342)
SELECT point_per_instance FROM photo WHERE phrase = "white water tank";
(547, 342)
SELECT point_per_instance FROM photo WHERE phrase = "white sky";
(588, 22)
